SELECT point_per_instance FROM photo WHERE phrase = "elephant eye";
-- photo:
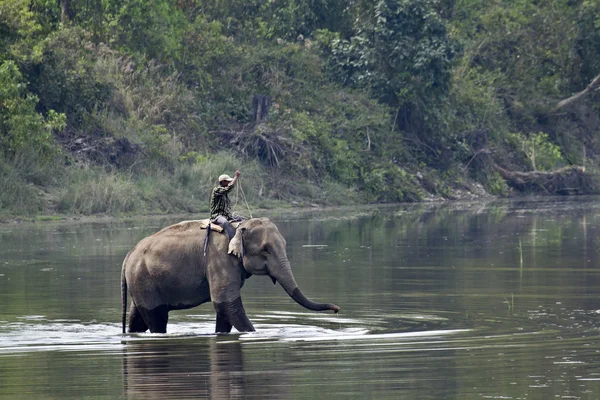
(265, 250)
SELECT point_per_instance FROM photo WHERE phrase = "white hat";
(225, 177)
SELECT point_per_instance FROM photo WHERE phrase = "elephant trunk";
(286, 279)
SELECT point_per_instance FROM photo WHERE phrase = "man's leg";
(222, 221)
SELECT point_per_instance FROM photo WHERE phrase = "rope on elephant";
(237, 195)
(244, 197)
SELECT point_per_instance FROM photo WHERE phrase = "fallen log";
(566, 180)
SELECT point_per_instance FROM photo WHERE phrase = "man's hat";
(225, 177)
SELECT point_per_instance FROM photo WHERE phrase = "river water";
(497, 300)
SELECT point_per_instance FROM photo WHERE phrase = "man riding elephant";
(168, 271)
(220, 204)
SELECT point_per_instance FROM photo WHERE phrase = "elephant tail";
(123, 297)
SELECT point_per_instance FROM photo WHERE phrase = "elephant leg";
(156, 319)
(235, 314)
(136, 322)
(223, 325)
(159, 319)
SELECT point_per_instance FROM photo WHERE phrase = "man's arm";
(219, 190)
(235, 178)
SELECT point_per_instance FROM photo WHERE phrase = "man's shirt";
(220, 203)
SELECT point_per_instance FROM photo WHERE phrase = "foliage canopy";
(393, 100)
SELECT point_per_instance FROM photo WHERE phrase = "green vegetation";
(137, 106)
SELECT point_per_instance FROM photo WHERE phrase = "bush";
(496, 185)
(21, 125)
(388, 183)
(335, 193)
(65, 80)
(542, 154)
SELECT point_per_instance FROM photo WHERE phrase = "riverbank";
(341, 199)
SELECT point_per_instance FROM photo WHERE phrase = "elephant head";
(262, 249)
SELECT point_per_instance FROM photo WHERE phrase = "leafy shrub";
(542, 154)
(19, 32)
(475, 103)
(335, 193)
(401, 52)
(65, 79)
(150, 27)
(22, 126)
(496, 185)
(252, 19)
(389, 183)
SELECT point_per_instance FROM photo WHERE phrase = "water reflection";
(192, 369)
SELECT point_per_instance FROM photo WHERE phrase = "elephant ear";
(236, 245)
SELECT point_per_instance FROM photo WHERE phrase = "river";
(483, 300)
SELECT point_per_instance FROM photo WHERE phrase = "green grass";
(90, 190)
(94, 191)
(17, 196)
(45, 218)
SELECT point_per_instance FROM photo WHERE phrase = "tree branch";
(595, 84)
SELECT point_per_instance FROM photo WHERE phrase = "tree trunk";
(65, 11)
(261, 106)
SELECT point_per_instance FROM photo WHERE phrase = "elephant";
(174, 270)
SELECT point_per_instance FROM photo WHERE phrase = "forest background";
(136, 106)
